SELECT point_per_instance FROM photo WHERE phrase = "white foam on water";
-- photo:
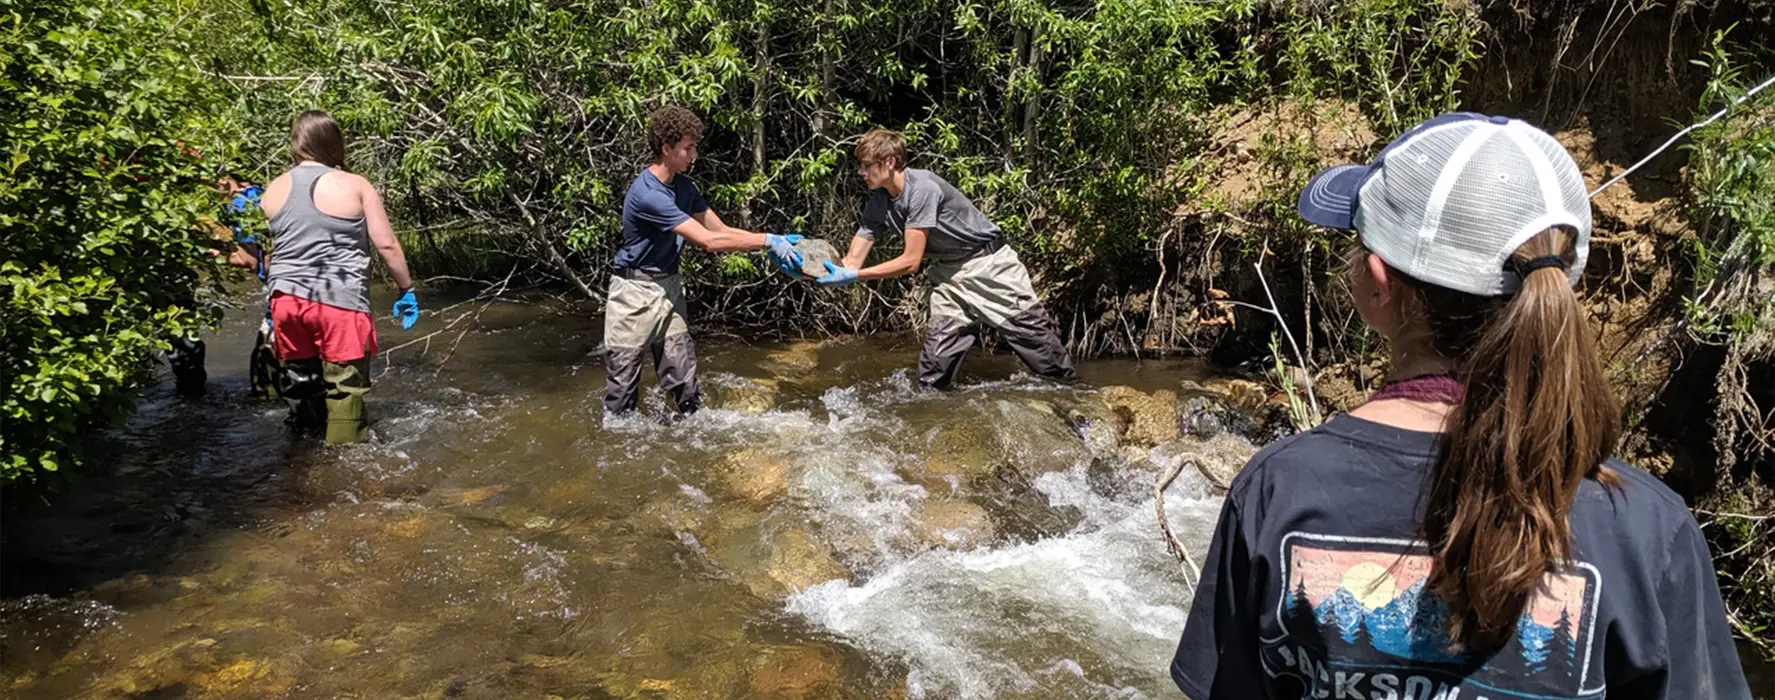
(1093, 613)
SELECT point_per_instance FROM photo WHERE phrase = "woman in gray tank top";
(324, 222)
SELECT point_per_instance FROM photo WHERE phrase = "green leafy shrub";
(98, 200)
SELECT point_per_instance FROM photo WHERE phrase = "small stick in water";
(1192, 574)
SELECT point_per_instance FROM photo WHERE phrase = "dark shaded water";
(803, 538)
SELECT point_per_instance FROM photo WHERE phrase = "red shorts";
(306, 329)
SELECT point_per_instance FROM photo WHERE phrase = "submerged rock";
(259, 678)
(1034, 439)
(961, 450)
(759, 476)
(743, 394)
(797, 672)
(474, 496)
(953, 523)
(1150, 419)
(795, 361)
(799, 561)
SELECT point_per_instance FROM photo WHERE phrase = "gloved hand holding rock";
(782, 250)
(837, 275)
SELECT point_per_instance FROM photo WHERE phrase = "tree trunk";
(1032, 105)
(826, 67)
(1018, 44)
(761, 70)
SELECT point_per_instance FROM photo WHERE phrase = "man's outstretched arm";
(709, 232)
(905, 263)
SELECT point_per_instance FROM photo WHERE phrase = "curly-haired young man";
(645, 312)
(976, 279)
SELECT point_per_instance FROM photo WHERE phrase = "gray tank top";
(315, 255)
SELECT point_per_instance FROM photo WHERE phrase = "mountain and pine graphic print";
(1357, 622)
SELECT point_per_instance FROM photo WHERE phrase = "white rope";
(1680, 134)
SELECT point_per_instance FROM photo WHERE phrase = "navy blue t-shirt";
(1314, 588)
(649, 212)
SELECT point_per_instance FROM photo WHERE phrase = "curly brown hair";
(667, 126)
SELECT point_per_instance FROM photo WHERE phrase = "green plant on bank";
(1301, 412)
(98, 205)
(1732, 176)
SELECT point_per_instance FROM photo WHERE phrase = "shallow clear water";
(500, 539)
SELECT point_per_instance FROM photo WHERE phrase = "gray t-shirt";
(318, 256)
(954, 228)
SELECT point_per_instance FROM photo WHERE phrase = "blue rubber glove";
(406, 309)
(837, 276)
(782, 251)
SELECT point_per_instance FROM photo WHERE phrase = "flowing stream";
(823, 530)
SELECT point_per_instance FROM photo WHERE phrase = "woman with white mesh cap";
(1465, 533)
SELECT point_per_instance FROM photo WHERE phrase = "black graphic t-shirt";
(1314, 588)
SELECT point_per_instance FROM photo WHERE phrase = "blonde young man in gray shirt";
(977, 280)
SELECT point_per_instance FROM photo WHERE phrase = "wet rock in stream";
(1219, 458)
(772, 559)
(1146, 419)
(952, 523)
(795, 361)
(1032, 438)
(742, 394)
(796, 672)
(758, 476)
(799, 561)
(1205, 413)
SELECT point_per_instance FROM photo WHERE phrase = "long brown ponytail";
(1536, 420)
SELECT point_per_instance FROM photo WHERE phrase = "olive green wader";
(330, 394)
(990, 289)
(645, 314)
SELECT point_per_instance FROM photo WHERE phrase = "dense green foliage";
(1732, 173)
(97, 206)
(517, 124)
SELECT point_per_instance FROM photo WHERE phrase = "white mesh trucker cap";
(1451, 199)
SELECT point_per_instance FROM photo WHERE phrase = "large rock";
(1248, 411)
(954, 523)
(1242, 394)
(1151, 419)
(815, 253)
(1100, 425)
(1034, 439)
(961, 451)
